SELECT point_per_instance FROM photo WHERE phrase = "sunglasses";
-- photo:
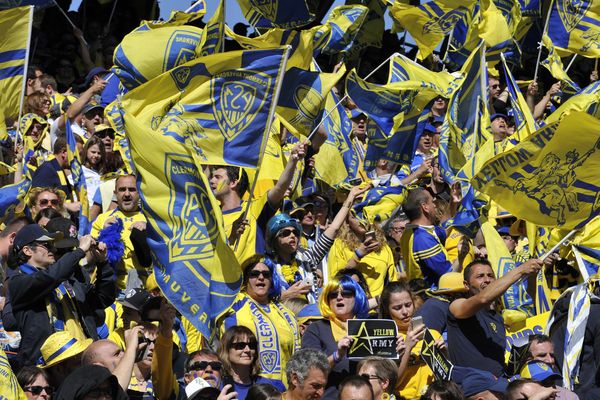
(255, 273)
(46, 245)
(347, 294)
(105, 133)
(369, 377)
(37, 390)
(202, 365)
(45, 202)
(242, 345)
(288, 232)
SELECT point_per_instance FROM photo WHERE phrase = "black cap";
(93, 72)
(33, 233)
(91, 106)
(135, 298)
(68, 230)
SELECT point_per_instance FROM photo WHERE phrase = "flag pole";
(68, 19)
(268, 129)
(571, 63)
(190, 8)
(539, 56)
(24, 86)
(328, 113)
(112, 13)
(560, 243)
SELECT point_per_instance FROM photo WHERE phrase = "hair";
(468, 271)
(412, 205)
(361, 278)
(276, 285)
(59, 145)
(47, 80)
(513, 390)
(387, 228)
(361, 303)
(444, 390)
(226, 342)
(95, 140)
(302, 361)
(386, 295)
(263, 391)
(36, 191)
(349, 238)
(295, 304)
(540, 338)
(123, 176)
(235, 174)
(357, 382)
(35, 102)
(386, 370)
(49, 213)
(201, 352)
(14, 225)
(28, 374)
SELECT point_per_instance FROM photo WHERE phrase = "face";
(259, 283)
(47, 200)
(313, 386)
(220, 183)
(39, 386)
(425, 142)
(62, 158)
(397, 230)
(207, 367)
(93, 117)
(499, 128)
(359, 126)
(93, 155)
(495, 88)
(439, 104)
(287, 239)
(356, 226)
(321, 210)
(530, 389)
(350, 392)
(510, 242)
(379, 385)
(36, 131)
(481, 276)
(110, 355)
(107, 137)
(308, 218)
(41, 254)
(127, 194)
(150, 340)
(429, 208)
(401, 308)
(45, 109)
(341, 303)
(542, 352)
(242, 351)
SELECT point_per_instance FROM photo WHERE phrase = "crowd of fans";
(84, 318)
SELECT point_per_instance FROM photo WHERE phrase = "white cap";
(195, 386)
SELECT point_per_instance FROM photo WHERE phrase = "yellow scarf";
(339, 329)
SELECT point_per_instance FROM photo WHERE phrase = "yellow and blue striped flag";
(16, 25)
(219, 104)
(213, 38)
(114, 115)
(431, 21)
(78, 181)
(337, 34)
(554, 64)
(575, 27)
(588, 100)
(337, 161)
(549, 178)
(379, 203)
(194, 267)
(286, 14)
(372, 29)
(301, 104)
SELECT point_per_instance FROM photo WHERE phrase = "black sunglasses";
(256, 273)
(36, 390)
(288, 232)
(345, 294)
(202, 365)
(252, 345)
(105, 133)
(45, 202)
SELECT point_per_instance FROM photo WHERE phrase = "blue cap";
(498, 115)
(473, 381)
(356, 113)
(279, 222)
(438, 119)
(93, 72)
(33, 233)
(429, 128)
(503, 230)
(539, 371)
(308, 312)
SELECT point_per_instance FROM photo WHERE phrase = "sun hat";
(59, 346)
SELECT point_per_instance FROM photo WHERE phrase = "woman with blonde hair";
(382, 374)
(362, 245)
(38, 103)
(40, 198)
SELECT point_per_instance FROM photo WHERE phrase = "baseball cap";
(135, 298)
(33, 233)
(67, 229)
(354, 113)
(503, 230)
(92, 105)
(539, 371)
(473, 381)
(429, 128)
(93, 72)
(498, 115)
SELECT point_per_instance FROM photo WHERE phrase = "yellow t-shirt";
(418, 376)
(129, 259)
(377, 268)
(252, 240)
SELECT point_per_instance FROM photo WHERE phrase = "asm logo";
(180, 48)
(268, 8)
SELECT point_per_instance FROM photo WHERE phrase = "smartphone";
(308, 280)
(371, 234)
(416, 322)
(355, 181)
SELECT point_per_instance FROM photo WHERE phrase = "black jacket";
(28, 294)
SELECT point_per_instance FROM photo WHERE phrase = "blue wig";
(276, 283)
(361, 303)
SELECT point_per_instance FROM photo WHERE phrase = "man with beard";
(476, 333)
(422, 243)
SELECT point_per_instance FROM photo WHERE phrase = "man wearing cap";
(42, 300)
(52, 172)
(477, 384)
(424, 150)
(548, 377)
(476, 333)
(499, 127)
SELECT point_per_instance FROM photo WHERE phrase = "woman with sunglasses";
(34, 382)
(258, 308)
(397, 303)
(238, 352)
(341, 299)
(46, 197)
(382, 374)
(297, 267)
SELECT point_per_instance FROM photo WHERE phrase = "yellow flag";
(9, 387)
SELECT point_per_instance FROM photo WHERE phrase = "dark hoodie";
(81, 381)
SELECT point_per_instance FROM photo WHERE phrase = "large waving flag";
(14, 50)
(222, 102)
(337, 161)
(551, 177)
(11, 196)
(213, 39)
(554, 64)
(372, 29)
(194, 267)
(575, 26)
(431, 21)
(339, 31)
(78, 181)
(379, 203)
(284, 14)
(587, 100)
(301, 103)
